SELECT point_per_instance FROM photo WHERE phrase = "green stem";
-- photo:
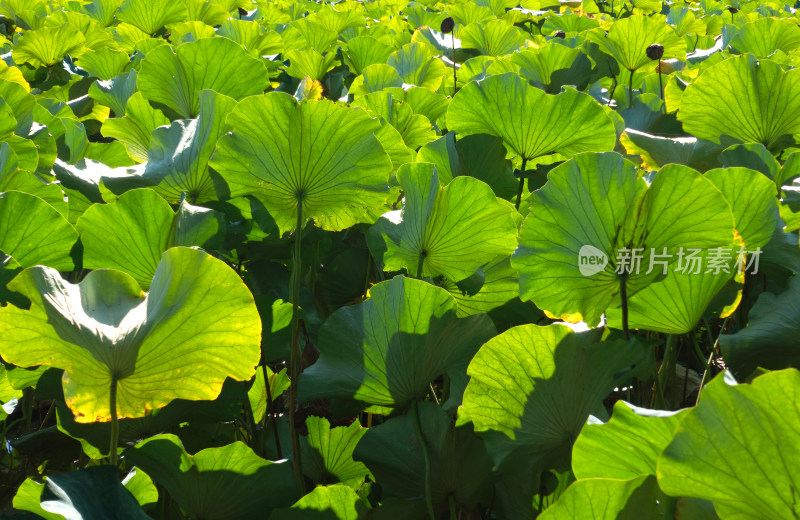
(667, 370)
(427, 457)
(521, 182)
(422, 256)
(268, 412)
(630, 89)
(623, 294)
(453, 514)
(453, 44)
(710, 357)
(112, 449)
(297, 464)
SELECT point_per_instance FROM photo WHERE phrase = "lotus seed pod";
(733, 10)
(447, 25)
(655, 51)
(560, 34)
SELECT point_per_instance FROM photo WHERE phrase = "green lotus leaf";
(770, 338)
(418, 65)
(628, 39)
(656, 151)
(450, 231)
(625, 447)
(715, 106)
(132, 233)
(151, 15)
(570, 23)
(257, 395)
(14, 179)
(254, 38)
(209, 13)
(178, 154)
(115, 92)
(481, 156)
(423, 101)
(552, 66)
(363, 51)
(32, 232)
(328, 453)
(764, 36)
(499, 285)
(685, 22)
(309, 62)
(374, 78)
(176, 77)
(93, 493)
(46, 46)
(337, 21)
(134, 129)
(607, 499)
(191, 31)
(747, 466)
(460, 466)
(689, 293)
(492, 37)
(522, 393)
(326, 503)
(414, 128)
(102, 10)
(531, 123)
(96, 37)
(596, 206)
(21, 103)
(753, 156)
(161, 347)
(386, 350)
(216, 483)
(467, 13)
(316, 37)
(323, 154)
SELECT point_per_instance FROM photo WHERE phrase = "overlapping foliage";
(377, 260)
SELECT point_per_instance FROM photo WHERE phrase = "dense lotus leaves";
(32, 232)
(375, 78)
(627, 446)
(449, 231)
(522, 393)
(743, 99)
(230, 482)
(596, 205)
(336, 502)
(20, 103)
(770, 338)
(552, 66)
(131, 234)
(386, 350)
(492, 37)
(160, 340)
(93, 493)
(46, 46)
(151, 15)
(319, 153)
(252, 36)
(116, 92)
(531, 122)
(749, 466)
(764, 36)
(459, 465)
(328, 453)
(134, 129)
(628, 39)
(175, 77)
(309, 62)
(656, 151)
(569, 23)
(607, 499)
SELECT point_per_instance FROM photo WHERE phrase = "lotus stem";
(666, 371)
(269, 411)
(453, 514)
(521, 182)
(623, 294)
(630, 90)
(660, 83)
(425, 455)
(453, 45)
(422, 255)
(297, 464)
(112, 402)
(710, 357)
